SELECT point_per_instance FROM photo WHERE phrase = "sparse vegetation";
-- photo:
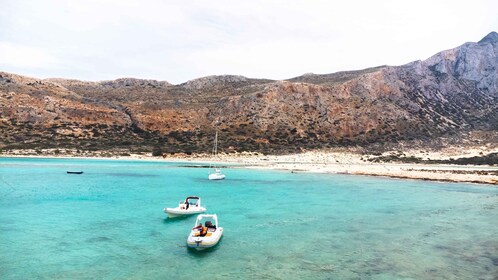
(375, 108)
(157, 151)
(489, 159)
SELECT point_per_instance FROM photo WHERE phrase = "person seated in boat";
(186, 204)
(202, 230)
(209, 226)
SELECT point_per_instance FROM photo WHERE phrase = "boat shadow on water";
(178, 219)
(203, 180)
(136, 175)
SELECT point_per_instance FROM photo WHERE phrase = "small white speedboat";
(207, 235)
(191, 205)
(216, 175)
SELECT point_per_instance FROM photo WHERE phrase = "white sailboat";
(216, 174)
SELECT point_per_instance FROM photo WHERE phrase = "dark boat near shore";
(74, 172)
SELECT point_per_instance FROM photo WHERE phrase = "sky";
(177, 41)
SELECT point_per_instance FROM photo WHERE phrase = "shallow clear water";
(108, 223)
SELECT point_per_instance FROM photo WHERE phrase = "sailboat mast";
(216, 175)
(216, 143)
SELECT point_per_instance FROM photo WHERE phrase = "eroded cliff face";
(476, 62)
(450, 94)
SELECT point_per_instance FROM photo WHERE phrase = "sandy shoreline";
(342, 162)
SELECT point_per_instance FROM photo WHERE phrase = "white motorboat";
(217, 174)
(191, 205)
(207, 235)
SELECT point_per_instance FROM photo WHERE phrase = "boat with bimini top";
(191, 205)
(206, 232)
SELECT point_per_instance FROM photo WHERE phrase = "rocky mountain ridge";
(452, 94)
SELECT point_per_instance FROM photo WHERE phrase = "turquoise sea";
(108, 223)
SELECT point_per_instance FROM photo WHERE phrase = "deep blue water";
(109, 223)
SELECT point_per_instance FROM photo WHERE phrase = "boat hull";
(216, 176)
(177, 212)
(200, 243)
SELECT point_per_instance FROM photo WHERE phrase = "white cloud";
(19, 56)
(181, 40)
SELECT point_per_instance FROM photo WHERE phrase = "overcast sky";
(181, 40)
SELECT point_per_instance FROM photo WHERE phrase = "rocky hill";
(451, 95)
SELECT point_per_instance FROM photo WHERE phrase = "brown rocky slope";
(450, 95)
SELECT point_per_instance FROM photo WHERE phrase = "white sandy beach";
(351, 163)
